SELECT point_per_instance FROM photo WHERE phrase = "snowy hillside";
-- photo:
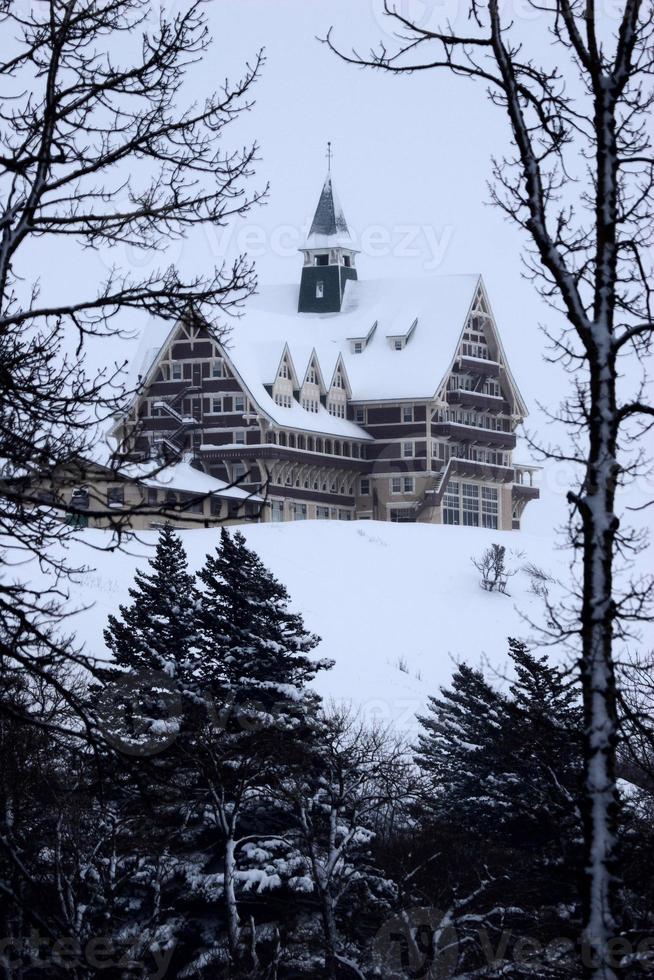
(395, 604)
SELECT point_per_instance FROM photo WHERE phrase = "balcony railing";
(465, 364)
(474, 434)
(232, 451)
(477, 399)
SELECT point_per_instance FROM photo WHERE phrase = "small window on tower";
(347, 261)
(322, 259)
(320, 290)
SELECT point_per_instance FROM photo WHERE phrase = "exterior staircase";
(172, 440)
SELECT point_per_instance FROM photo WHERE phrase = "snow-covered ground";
(396, 605)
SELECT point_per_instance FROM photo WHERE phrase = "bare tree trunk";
(600, 806)
(330, 934)
(231, 906)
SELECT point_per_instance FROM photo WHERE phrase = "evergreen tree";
(155, 654)
(255, 650)
(504, 772)
(260, 725)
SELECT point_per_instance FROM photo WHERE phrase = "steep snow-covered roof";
(429, 313)
(329, 227)
(438, 307)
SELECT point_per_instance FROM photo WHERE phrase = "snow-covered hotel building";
(337, 398)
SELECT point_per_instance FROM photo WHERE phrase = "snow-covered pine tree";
(505, 773)
(145, 709)
(255, 650)
(155, 654)
(253, 672)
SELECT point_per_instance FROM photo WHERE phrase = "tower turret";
(329, 255)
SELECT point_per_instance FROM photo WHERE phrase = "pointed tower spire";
(329, 227)
(328, 253)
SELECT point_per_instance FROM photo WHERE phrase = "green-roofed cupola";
(329, 255)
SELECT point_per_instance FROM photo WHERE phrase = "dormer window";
(312, 377)
(320, 290)
(284, 371)
(322, 259)
(398, 343)
(338, 380)
(358, 347)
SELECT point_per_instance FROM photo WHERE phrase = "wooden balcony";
(232, 452)
(481, 471)
(523, 486)
(477, 365)
(478, 400)
(474, 434)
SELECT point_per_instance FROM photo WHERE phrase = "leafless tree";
(492, 565)
(99, 148)
(578, 179)
(364, 773)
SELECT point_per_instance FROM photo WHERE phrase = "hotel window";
(239, 437)
(492, 388)
(152, 496)
(407, 450)
(299, 512)
(358, 346)
(193, 504)
(408, 484)
(238, 471)
(322, 259)
(115, 496)
(344, 515)
(489, 507)
(312, 377)
(470, 504)
(216, 406)
(396, 484)
(239, 403)
(276, 510)
(176, 372)
(360, 415)
(347, 261)
(401, 516)
(322, 513)
(407, 413)
(451, 505)
(398, 343)
(320, 290)
(338, 380)
(364, 488)
(216, 369)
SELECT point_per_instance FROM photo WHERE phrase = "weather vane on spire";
(329, 155)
